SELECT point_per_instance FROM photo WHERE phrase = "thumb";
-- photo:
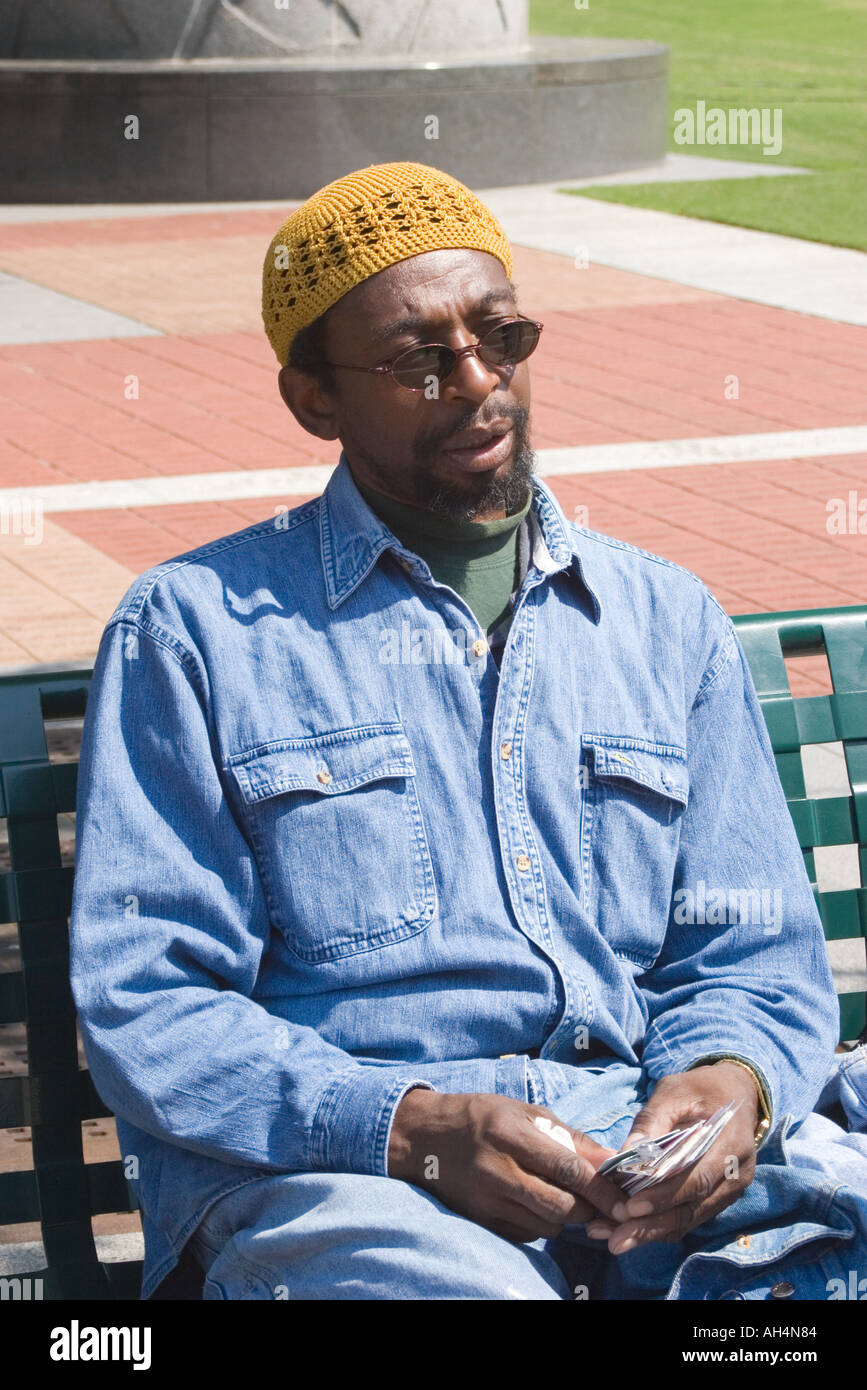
(655, 1118)
(589, 1149)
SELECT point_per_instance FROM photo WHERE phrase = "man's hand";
(483, 1157)
(682, 1202)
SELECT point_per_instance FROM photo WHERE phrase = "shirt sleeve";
(167, 931)
(744, 969)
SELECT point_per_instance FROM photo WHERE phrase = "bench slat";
(11, 997)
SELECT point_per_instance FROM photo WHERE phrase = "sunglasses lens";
(418, 366)
(506, 344)
(509, 342)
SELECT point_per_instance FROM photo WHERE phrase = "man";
(395, 812)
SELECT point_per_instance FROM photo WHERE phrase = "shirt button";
(782, 1290)
(505, 750)
(324, 777)
(523, 862)
(480, 646)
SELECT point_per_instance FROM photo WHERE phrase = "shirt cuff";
(352, 1127)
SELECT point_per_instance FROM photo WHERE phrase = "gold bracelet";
(764, 1124)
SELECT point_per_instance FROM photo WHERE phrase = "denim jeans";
(354, 1236)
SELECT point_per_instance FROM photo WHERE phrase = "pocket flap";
(660, 767)
(328, 763)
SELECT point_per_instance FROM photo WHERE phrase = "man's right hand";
(483, 1157)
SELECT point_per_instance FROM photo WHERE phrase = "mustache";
(517, 415)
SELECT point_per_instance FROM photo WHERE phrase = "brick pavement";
(623, 358)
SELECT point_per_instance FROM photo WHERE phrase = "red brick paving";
(623, 358)
(209, 402)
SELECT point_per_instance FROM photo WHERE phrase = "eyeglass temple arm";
(351, 367)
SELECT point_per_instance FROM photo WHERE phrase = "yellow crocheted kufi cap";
(357, 226)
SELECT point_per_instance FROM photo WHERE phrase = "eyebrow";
(382, 333)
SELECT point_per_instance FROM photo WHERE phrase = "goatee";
(478, 493)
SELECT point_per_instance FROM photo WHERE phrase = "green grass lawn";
(807, 57)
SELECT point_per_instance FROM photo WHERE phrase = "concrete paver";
(782, 271)
(30, 313)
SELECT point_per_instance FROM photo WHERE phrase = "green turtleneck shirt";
(480, 560)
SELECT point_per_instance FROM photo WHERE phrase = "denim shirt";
(327, 851)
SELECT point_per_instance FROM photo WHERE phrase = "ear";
(312, 407)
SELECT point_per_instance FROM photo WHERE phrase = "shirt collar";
(353, 537)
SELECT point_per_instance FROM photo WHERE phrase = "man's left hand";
(666, 1212)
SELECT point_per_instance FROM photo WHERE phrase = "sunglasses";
(504, 346)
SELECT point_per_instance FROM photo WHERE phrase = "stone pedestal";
(254, 101)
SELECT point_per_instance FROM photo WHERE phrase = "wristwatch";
(764, 1125)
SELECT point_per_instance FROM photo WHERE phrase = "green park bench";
(61, 1191)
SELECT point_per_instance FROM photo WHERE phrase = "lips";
(481, 449)
(477, 439)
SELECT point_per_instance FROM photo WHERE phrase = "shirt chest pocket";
(633, 795)
(336, 826)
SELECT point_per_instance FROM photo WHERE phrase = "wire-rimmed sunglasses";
(506, 344)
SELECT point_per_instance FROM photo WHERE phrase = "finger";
(519, 1234)
(600, 1230)
(666, 1215)
(659, 1116)
(665, 1225)
(551, 1203)
(582, 1143)
(575, 1175)
(508, 1217)
(726, 1167)
(536, 1153)
(543, 1200)
(588, 1148)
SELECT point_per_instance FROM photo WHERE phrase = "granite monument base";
(214, 130)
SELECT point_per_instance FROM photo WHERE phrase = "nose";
(471, 378)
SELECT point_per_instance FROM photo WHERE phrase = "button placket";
(509, 795)
(525, 887)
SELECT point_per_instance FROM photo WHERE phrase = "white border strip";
(682, 453)
(310, 480)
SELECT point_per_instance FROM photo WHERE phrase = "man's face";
(399, 441)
